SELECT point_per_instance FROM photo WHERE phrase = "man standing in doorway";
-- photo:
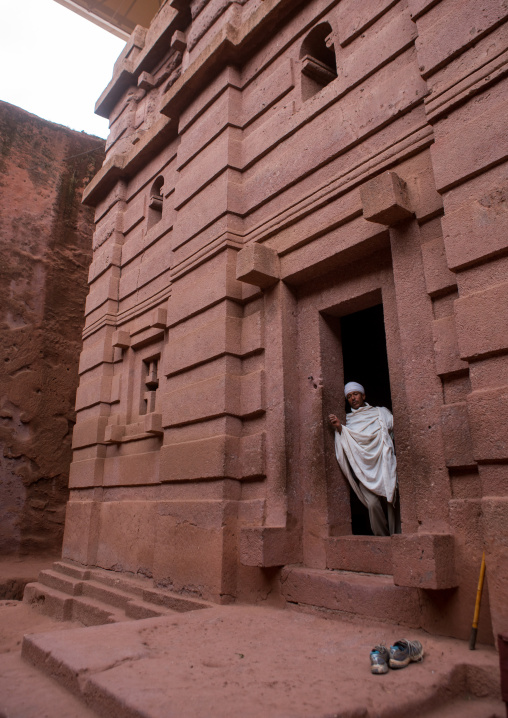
(365, 452)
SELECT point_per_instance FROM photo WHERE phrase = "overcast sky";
(55, 63)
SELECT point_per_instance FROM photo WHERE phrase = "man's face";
(355, 399)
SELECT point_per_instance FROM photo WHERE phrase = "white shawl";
(364, 450)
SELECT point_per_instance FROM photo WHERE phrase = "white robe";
(364, 450)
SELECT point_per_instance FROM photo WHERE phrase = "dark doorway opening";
(364, 354)
(365, 360)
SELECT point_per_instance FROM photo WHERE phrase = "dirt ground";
(229, 661)
(225, 662)
(16, 572)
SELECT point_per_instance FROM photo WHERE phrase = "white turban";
(353, 386)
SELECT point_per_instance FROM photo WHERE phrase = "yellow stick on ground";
(474, 629)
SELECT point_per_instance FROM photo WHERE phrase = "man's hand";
(335, 423)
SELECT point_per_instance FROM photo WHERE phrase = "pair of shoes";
(400, 655)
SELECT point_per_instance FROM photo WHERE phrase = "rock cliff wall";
(45, 240)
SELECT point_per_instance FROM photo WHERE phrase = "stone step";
(133, 586)
(160, 597)
(62, 582)
(361, 594)
(102, 597)
(368, 554)
(141, 609)
(49, 601)
(91, 612)
(106, 594)
(72, 570)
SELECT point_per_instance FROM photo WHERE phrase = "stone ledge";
(369, 554)
(267, 546)
(424, 560)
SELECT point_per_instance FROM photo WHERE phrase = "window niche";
(150, 385)
(155, 202)
(318, 62)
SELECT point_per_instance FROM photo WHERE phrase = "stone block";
(478, 125)
(482, 322)
(200, 459)
(148, 336)
(495, 526)
(135, 469)
(212, 397)
(350, 242)
(253, 393)
(224, 151)
(222, 195)
(488, 419)
(104, 257)
(127, 536)
(121, 339)
(438, 278)
(452, 26)
(206, 285)
(153, 424)
(458, 448)
(252, 333)
(178, 41)
(103, 288)
(114, 434)
(146, 81)
(259, 265)
(193, 543)
(97, 391)
(86, 473)
(263, 92)
(89, 432)
(385, 199)
(446, 348)
(116, 388)
(97, 353)
(204, 344)
(225, 110)
(475, 223)
(353, 17)
(353, 593)
(81, 532)
(370, 554)
(252, 457)
(424, 560)
(266, 546)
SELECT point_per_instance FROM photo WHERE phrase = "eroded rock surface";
(45, 248)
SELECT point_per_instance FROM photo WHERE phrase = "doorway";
(365, 361)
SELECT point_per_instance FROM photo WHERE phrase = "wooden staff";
(474, 628)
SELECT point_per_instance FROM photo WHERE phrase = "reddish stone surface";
(45, 243)
(244, 168)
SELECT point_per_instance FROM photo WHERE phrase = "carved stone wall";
(45, 239)
(272, 167)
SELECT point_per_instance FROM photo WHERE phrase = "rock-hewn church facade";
(298, 193)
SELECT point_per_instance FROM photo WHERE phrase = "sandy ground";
(25, 692)
(230, 661)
